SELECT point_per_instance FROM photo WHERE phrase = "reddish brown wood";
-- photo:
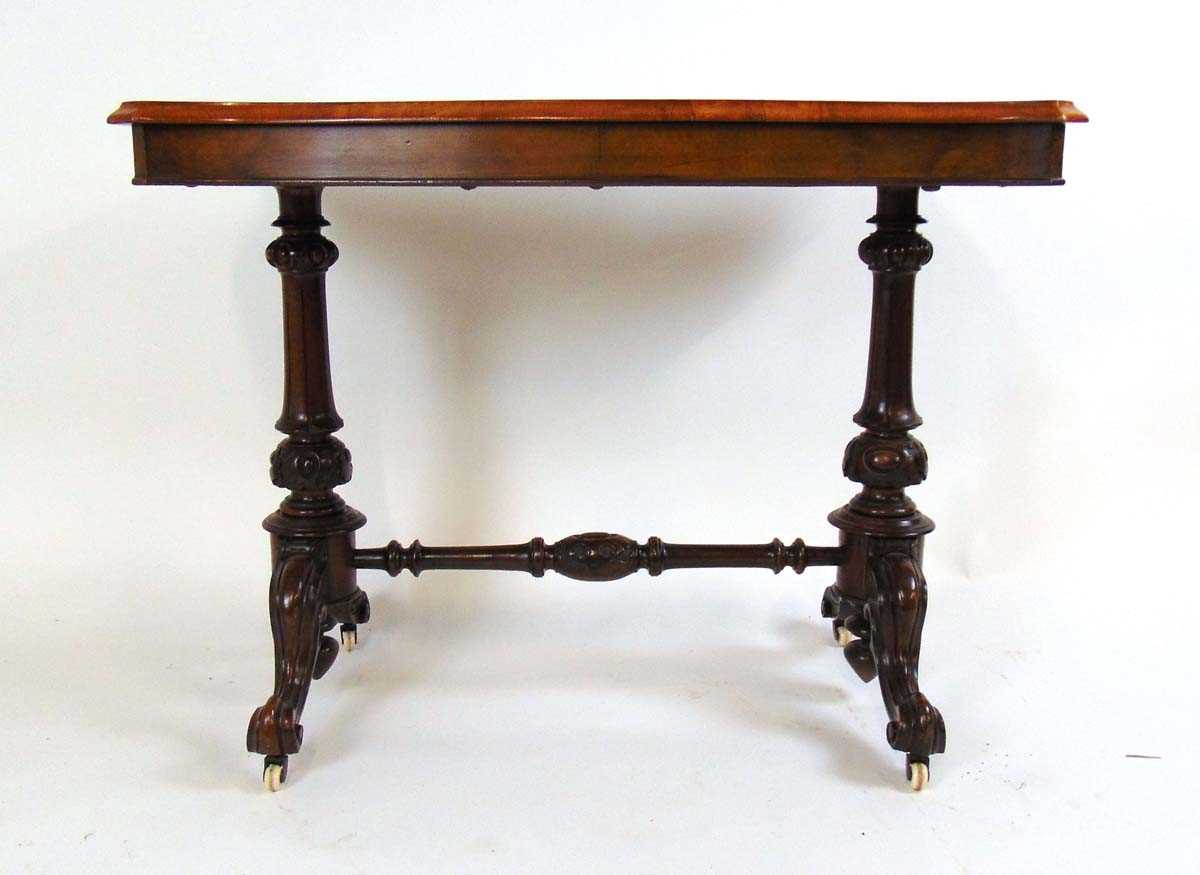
(880, 593)
(600, 153)
(165, 112)
(597, 556)
(313, 583)
(295, 606)
(598, 142)
(309, 461)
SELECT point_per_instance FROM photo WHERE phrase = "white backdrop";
(672, 362)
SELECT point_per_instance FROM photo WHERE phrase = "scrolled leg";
(296, 613)
(896, 612)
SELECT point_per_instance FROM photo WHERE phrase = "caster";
(842, 635)
(918, 775)
(274, 772)
(349, 636)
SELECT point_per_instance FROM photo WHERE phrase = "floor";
(702, 722)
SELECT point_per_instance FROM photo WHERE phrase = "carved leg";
(313, 584)
(301, 651)
(897, 614)
(879, 594)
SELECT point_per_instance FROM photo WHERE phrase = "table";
(878, 600)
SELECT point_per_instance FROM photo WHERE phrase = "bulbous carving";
(596, 556)
(885, 462)
(302, 253)
(310, 467)
(895, 250)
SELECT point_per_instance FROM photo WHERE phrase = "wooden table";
(877, 603)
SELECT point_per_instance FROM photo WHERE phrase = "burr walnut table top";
(598, 142)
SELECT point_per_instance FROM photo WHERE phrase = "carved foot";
(896, 612)
(300, 650)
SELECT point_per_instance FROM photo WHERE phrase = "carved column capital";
(895, 250)
(310, 467)
(885, 461)
(301, 252)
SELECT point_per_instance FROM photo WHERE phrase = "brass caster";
(843, 636)
(274, 772)
(918, 775)
(349, 636)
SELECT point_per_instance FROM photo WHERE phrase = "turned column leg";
(878, 601)
(313, 585)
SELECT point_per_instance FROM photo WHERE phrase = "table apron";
(600, 154)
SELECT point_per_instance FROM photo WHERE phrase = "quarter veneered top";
(157, 112)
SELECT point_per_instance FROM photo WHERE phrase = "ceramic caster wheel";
(349, 636)
(918, 775)
(843, 636)
(274, 773)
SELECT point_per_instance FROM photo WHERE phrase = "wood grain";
(599, 153)
(164, 112)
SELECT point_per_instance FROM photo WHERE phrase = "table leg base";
(313, 588)
(880, 599)
(877, 604)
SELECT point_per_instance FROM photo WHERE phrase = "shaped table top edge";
(153, 112)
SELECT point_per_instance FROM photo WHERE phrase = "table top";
(598, 142)
(156, 112)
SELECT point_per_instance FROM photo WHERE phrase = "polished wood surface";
(878, 600)
(165, 112)
(599, 154)
(596, 556)
(879, 596)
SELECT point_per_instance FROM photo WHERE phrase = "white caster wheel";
(349, 636)
(918, 776)
(844, 636)
(274, 773)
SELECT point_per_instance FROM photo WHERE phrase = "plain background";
(669, 362)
